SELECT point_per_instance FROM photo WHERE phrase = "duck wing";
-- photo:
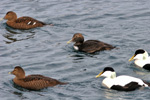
(36, 82)
(147, 67)
(92, 46)
(29, 21)
(42, 78)
(129, 87)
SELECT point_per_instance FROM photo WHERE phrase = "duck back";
(92, 46)
(37, 82)
(25, 23)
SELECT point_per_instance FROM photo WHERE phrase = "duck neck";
(13, 18)
(78, 43)
(20, 76)
(145, 56)
(113, 75)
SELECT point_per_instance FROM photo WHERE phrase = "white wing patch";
(34, 23)
(29, 22)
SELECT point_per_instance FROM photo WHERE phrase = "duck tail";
(46, 24)
(49, 24)
(63, 83)
(148, 83)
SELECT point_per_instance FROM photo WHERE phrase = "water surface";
(122, 23)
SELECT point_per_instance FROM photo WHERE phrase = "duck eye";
(15, 69)
(76, 36)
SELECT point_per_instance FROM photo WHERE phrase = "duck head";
(108, 72)
(139, 54)
(18, 72)
(10, 16)
(77, 38)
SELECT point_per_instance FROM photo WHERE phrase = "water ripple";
(122, 23)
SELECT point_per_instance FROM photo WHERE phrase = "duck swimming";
(141, 59)
(33, 82)
(89, 46)
(120, 83)
(24, 22)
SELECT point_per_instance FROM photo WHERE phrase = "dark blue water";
(122, 23)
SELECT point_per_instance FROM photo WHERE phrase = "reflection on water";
(80, 55)
(20, 95)
(139, 71)
(119, 95)
(77, 57)
(110, 95)
(14, 35)
(115, 95)
(122, 23)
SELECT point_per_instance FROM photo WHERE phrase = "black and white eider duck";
(33, 82)
(89, 46)
(24, 22)
(120, 83)
(141, 59)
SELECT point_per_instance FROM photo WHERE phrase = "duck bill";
(10, 73)
(131, 58)
(1, 19)
(69, 41)
(99, 74)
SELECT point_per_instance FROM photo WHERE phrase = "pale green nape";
(113, 75)
(145, 55)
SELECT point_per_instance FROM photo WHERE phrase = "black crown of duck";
(89, 46)
(22, 22)
(33, 82)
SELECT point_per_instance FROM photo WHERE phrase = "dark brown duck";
(89, 46)
(33, 82)
(24, 22)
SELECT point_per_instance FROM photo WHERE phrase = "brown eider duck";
(24, 22)
(33, 82)
(89, 46)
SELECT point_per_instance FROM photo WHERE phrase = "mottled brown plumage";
(22, 22)
(89, 46)
(33, 82)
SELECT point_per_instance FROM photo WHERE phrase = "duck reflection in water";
(13, 35)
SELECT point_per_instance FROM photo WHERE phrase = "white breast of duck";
(142, 63)
(76, 47)
(142, 59)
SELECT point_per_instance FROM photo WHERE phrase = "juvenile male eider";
(89, 46)
(24, 22)
(141, 58)
(33, 82)
(120, 83)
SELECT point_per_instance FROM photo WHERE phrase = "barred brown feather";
(34, 82)
(22, 22)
